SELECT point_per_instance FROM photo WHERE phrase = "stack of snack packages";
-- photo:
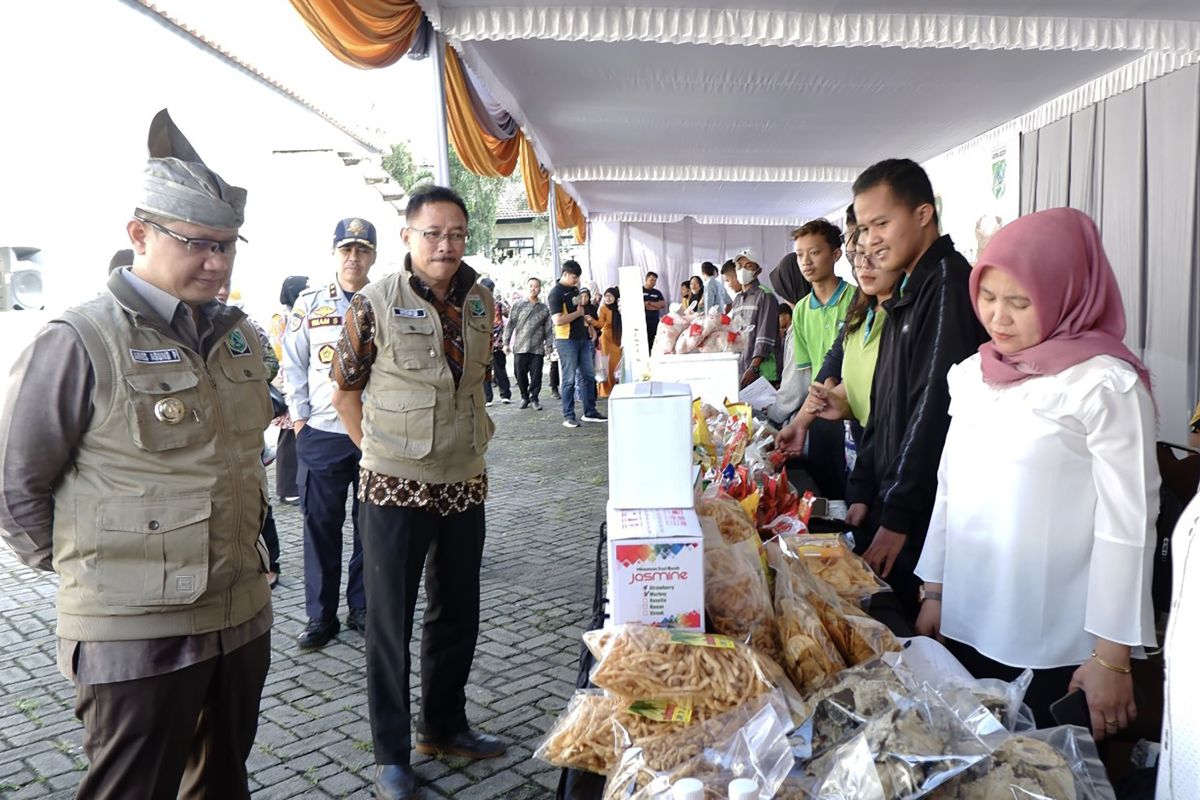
(787, 682)
(680, 333)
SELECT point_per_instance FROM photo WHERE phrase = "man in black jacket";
(931, 326)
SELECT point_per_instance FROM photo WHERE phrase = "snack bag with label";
(714, 672)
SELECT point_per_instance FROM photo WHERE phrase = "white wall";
(73, 122)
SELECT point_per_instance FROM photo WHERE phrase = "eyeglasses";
(207, 247)
(433, 237)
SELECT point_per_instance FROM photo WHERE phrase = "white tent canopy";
(763, 112)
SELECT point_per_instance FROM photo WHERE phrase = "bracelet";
(1113, 667)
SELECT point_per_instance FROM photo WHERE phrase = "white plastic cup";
(743, 789)
(688, 789)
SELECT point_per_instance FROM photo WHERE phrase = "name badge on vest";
(409, 313)
(475, 303)
(237, 345)
(167, 356)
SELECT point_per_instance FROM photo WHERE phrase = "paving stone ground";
(548, 491)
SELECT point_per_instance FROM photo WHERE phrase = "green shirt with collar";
(815, 325)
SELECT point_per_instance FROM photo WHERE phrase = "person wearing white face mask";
(760, 310)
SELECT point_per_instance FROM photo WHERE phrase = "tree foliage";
(481, 195)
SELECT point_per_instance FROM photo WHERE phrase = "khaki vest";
(156, 523)
(416, 424)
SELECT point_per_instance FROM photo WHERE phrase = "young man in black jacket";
(931, 326)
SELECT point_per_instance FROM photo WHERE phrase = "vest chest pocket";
(245, 399)
(405, 419)
(414, 342)
(164, 410)
(152, 551)
(478, 340)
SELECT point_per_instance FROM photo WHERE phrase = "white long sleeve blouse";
(1179, 762)
(1043, 525)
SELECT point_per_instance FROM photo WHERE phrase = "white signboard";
(635, 340)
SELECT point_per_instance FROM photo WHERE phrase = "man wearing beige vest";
(130, 466)
(408, 373)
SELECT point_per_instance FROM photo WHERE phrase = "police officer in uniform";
(328, 459)
(130, 465)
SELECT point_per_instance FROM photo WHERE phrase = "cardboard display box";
(713, 377)
(656, 567)
(650, 446)
(658, 581)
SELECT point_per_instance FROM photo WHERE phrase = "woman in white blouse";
(1039, 550)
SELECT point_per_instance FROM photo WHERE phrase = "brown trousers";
(185, 734)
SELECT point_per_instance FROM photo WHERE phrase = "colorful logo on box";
(630, 554)
(688, 619)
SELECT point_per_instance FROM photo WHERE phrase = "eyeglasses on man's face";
(434, 236)
(196, 246)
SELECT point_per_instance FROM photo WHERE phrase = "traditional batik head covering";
(1057, 257)
(177, 185)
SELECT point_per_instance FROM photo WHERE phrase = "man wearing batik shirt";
(408, 373)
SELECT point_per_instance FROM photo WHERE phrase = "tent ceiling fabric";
(638, 119)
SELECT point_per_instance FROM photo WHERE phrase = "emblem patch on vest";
(409, 313)
(237, 345)
(297, 321)
(170, 410)
(185, 584)
(325, 354)
(167, 356)
(475, 303)
(323, 311)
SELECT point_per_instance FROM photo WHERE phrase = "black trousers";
(555, 378)
(1047, 686)
(328, 472)
(903, 580)
(187, 733)
(270, 535)
(398, 544)
(826, 459)
(286, 464)
(528, 367)
(500, 376)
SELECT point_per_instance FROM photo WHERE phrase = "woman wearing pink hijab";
(1039, 551)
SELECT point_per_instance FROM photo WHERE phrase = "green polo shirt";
(815, 327)
(858, 363)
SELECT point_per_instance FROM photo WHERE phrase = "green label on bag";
(702, 640)
(662, 710)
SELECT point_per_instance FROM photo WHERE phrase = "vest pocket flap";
(406, 399)
(143, 515)
(243, 370)
(161, 382)
(417, 325)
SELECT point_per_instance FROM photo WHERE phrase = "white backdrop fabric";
(675, 249)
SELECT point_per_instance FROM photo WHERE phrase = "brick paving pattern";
(549, 487)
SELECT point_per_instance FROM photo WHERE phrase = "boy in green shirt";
(816, 322)
(819, 315)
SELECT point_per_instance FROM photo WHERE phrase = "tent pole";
(551, 203)
(438, 57)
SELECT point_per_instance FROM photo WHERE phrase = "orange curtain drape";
(537, 191)
(537, 184)
(479, 151)
(363, 33)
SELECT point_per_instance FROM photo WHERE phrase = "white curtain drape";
(675, 250)
(1132, 162)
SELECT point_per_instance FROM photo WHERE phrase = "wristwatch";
(923, 595)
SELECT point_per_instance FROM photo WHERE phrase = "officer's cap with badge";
(354, 230)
